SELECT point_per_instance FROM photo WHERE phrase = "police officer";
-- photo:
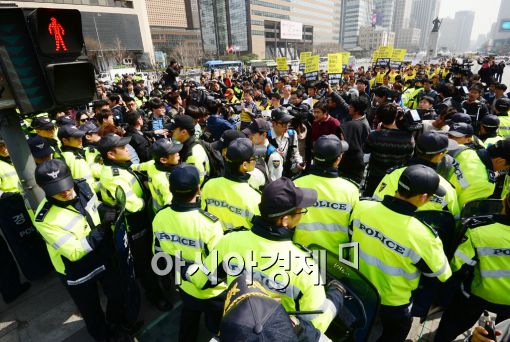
(485, 250)
(502, 106)
(230, 197)
(116, 172)
(257, 132)
(478, 178)
(10, 284)
(78, 243)
(40, 148)
(188, 233)
(395, 248)
(327, 222)
(183, 131)
(166, 158)
(285, 141)
(431, 147)
(74, 154)
(281, 207)
(90, 142)
(46, 129)
(489, 127)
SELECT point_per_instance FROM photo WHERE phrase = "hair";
(172, 98)
(501, 86)
(476, 88)
(447, 89)
(321, 105)
(276, 96)
(102, 115)
(381, 92)
(114, 98)
(128, 99)
(498, 151)
(299, 94)
(99, 104)
(359, 104)
(363, 80)
(428, 99)
(110, 129)
(387, 113)
(248, 91)
(156, 103)
(194, 112)
(132, 117)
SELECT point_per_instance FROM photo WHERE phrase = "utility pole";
(21, 156)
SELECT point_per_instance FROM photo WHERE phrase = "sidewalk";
(46, 313)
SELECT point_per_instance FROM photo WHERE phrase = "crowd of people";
(259, 162)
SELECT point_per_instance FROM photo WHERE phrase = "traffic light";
(39, 60)
(58, 32)
(59, 38)
(20, 65)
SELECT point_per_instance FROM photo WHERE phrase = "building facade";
(385, 11)
(408, 38)
(354, 15)
(254, 26)
(110, 28)
(401, 16)
(500, 34)
(455, 34)
(175, 29)
(370, 38)
(422, 14)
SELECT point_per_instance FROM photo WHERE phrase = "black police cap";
(53, 176)
(281, 114)
(434, 143)
(328, 148)
(164, 147)
(226, 138)
(420, 179)
(240, 150)
(184, 179)
(42, 122)
(69, 131)
(184, 122)
(282, 196)
(490, 121)
(39, 147)
(110, 141)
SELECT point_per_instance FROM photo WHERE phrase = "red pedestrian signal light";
(58, 32)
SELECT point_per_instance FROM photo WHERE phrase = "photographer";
(172, 72)
(388, 147)
(218, 122)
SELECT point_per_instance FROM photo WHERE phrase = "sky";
(486, 13)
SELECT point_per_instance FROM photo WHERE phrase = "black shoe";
(22, 289)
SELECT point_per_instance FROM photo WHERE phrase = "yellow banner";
(335, 63)
(281, 64)
(303, 56)
(398, 55)
(345, 57)
(385, 51)
(312, 64)
(375, 55)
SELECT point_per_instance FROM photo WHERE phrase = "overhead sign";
(291, 30)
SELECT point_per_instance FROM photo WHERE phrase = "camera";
(409, 120)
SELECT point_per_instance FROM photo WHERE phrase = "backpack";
(216, 164)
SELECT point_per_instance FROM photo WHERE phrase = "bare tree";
(186, 52)
(119, 51)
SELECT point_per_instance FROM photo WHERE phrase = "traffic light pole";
(21, 157)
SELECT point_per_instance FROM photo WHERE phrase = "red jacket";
(325, 127)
